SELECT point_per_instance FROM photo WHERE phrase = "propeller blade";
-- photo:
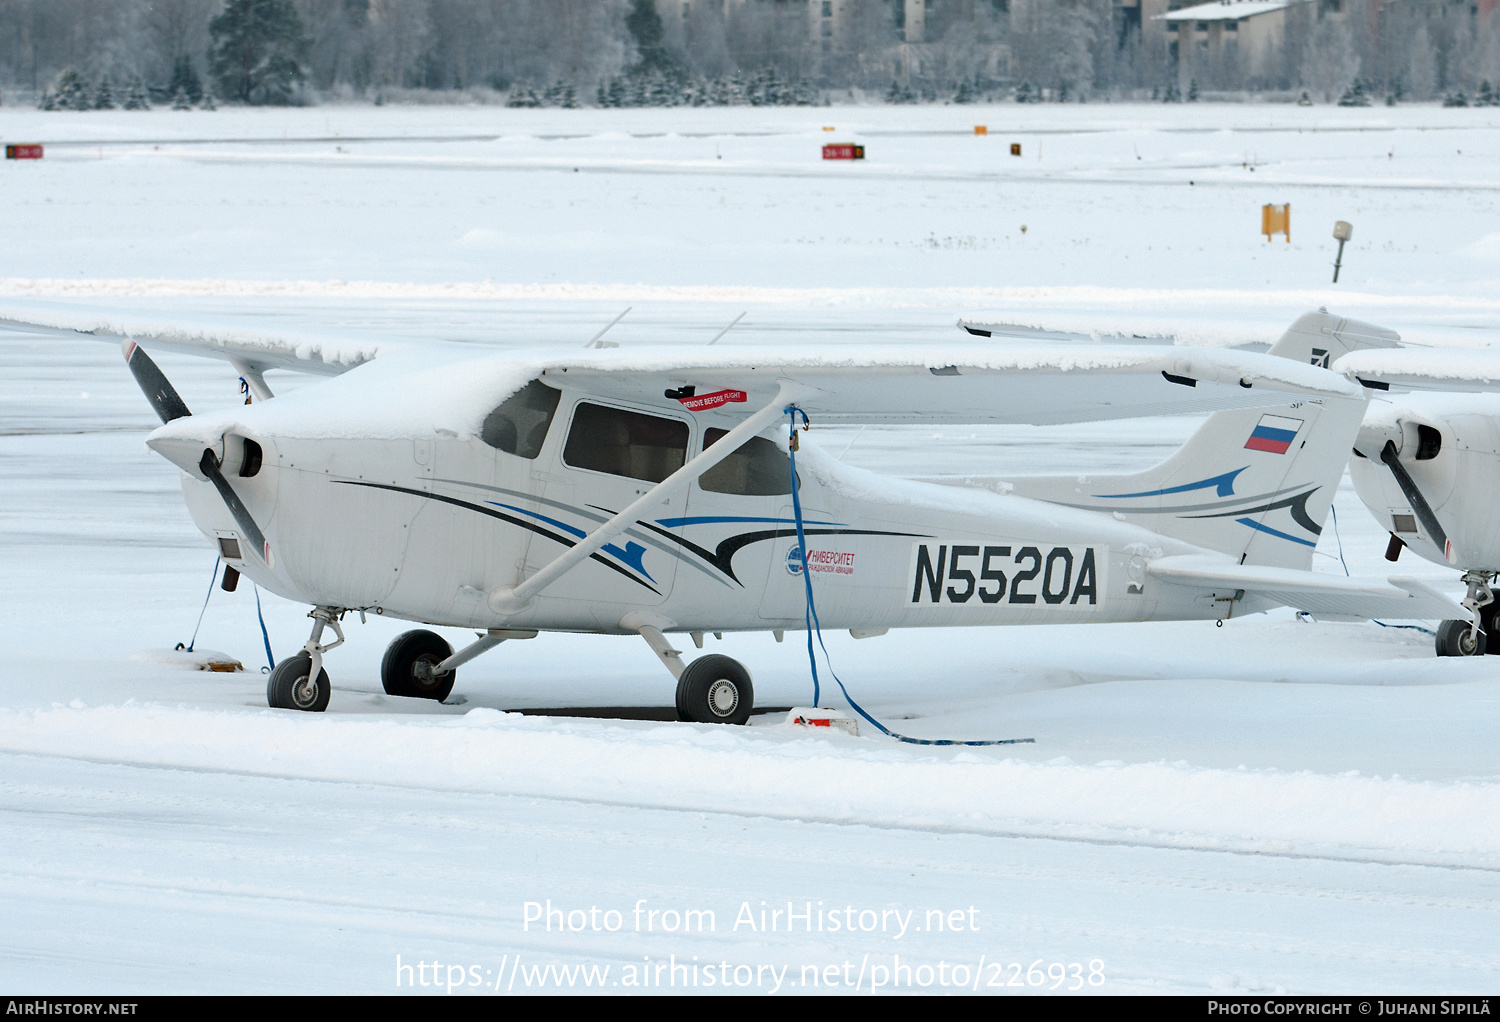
(162, 395)
(1419, 505)
(209, 466)
(169, 405)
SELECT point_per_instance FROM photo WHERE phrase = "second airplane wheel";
(1489, 620)
(1457, 638)
(398, 674)
(715, 689)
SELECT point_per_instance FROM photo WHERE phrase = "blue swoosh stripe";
(672, 523)
(1224, 482)
(631, 555)
(1266, 528)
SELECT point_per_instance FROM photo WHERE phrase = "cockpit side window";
(760, 468)
(623, 443)
(519, 426)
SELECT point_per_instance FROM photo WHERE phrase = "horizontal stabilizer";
(1467, 370)
(1400, 598)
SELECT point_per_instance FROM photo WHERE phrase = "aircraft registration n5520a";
(651, 492)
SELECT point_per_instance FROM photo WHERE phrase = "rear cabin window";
(760, 468)
(519, 426)
(622, 443)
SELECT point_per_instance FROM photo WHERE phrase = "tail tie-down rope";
(810, 615)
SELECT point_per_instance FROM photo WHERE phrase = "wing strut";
(510, 600)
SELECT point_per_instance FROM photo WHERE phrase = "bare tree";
(1329, 64)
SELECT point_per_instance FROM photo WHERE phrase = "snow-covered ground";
(1274, 805)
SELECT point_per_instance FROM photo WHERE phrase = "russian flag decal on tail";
(1274, 433)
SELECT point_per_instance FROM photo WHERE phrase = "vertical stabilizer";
(1321, 339)
(1253, 483)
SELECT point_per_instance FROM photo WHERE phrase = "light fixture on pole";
(1343, 230)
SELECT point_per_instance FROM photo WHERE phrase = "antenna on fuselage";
(595, 342)
(728, 328)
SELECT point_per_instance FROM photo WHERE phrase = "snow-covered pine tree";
(1023, 92)
(185, 77)
(258, 50)
(644, 24)
(104, 95)
(570, 97)
(774, 89)
(208, 100)
(1486, 94)
(659, 90)
(635, 91)
(136, 97)
(1355, 95)
(71, 91)
(1192, 95)
(180, 100)
(524, 97)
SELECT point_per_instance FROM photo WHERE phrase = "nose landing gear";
(299, 682)
(1476, 637)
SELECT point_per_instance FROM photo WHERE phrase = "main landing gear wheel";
(1488, 624)
(291, 688)
(1458, 638)
(401, 674)
(715, 689)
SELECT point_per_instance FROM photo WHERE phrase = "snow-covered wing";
(251, 351)
(1400, 598)
(1026, 332)
(1041, 385)
(1424, 369)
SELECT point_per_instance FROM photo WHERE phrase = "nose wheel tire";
(1458, 638)
(399, 672)
(715, 689)
(291, 686)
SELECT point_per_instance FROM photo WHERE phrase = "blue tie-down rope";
(1340, 540)
(264, 635)
(810, 617)
(212, 579)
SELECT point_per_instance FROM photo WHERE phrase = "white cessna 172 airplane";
(1427, 465)
(650, 492)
